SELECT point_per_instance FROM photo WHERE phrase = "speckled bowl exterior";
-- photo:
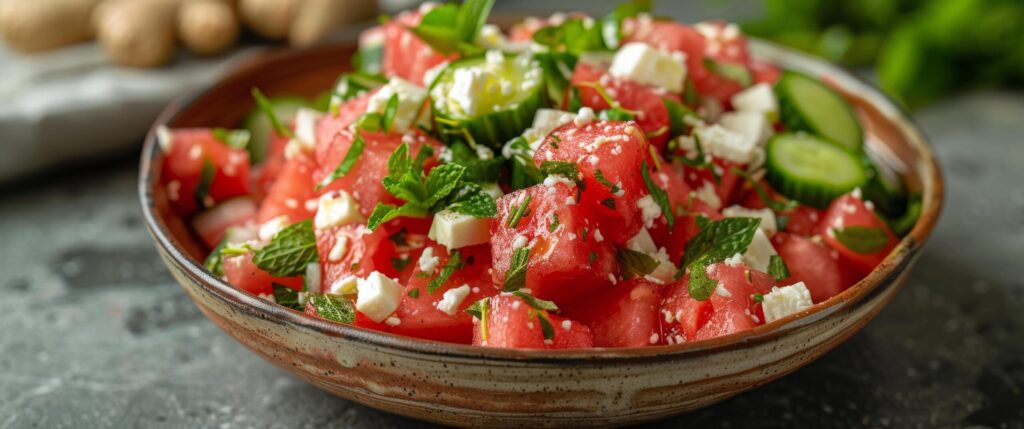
(481, 387)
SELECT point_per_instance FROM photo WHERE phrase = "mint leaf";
(441, 181)
(720, 239)
(414, 293)
(659, 195)
(554, 223)
(546, 328)
(287, 297)
(676, 112)
(236, 139)
(289, 251)
(473, 201)
(390, 110)
(515, 276)
(399, 162)
(479, 309)
(862, 239)
(534, 302)
(518, 212)
(569, 170)
(214, 262)
(370, 121)
(206, 176)
(471, 18)
(351, 85)
(384, 213)
(611, 24)
(351, 157)
(454, 263)
(333, 307)
(572, 36)
(701, 286)
(777, 268)
(400, 263)
(265, 106)
(734, 72)
(613, 188)
(635, 263)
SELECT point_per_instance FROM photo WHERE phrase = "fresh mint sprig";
(716, 241)
(452, 28)
(289, 251)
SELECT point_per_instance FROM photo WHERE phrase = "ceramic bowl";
(482, 387)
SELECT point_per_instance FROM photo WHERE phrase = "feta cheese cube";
(766, 215)
(379, 296)
(336, 209)
(751, 125)
(410, 102)
(305, 128)
(784, 301)
(641, 63)
(757, 98)
(467, 86)
(726, 144)
(452, 299)
(760, 252)
(456, 230)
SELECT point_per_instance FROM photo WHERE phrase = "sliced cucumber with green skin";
(806, 104)
(492, 101)
(260, 128)
(811, 170)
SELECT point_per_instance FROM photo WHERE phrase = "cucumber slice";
(805, 104)
(810, 170)
(260, 128)
(492, 98)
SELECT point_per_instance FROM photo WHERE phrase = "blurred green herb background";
(921, 49)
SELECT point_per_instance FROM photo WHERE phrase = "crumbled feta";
(722, 291)
(379, 296)
(305, 128)
(452, 299)
(271, 227)
(734, 260)
(392, 321)
(642, 63)
(584, 116)
(767, 216)
(428, 261)
(757, 98)
(467, 85)
(567, 324)
(164, 138)
(410, 102)
(456, 230)
(546, 120)
(336, 209)
(649, 210)
(345, 286)
(709, 195)
(519, 242)
(760, 252)
(339, 249)
(654, 338)
(784, 301)
(555, 179)
(597, 236)
(434, 72)
(753, 126)
(642, 242)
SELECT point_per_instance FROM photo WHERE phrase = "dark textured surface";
(95, 333)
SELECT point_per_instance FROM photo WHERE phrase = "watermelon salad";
(574, 182)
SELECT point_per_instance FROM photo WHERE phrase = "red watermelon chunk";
(511, 323)
(245, 275)
(653, 116)
(405, 54)
(185, 156)
(353, 250)
(565, 264)
(421, 316)
(626, 315)
(292, 195)
(616, 149)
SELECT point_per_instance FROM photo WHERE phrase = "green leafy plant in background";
(922, 49)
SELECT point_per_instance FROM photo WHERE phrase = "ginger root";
(39, 25)
(139, 33)
(317, 18)
(208, 27)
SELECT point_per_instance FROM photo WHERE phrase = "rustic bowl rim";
(885, 274)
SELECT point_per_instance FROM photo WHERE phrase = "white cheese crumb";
(271, 227)
(392, 321)
(654, 338)
(734, 260)
(345, 286)
(336, 209)
(428, 262)
(584, 116)
(597, 235)
(567, 324)
(519, 242)
(722, 291)
(709, 195)
(452, 298)
(339, 249)
(649, 210)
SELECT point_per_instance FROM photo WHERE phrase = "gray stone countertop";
(95, 333)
